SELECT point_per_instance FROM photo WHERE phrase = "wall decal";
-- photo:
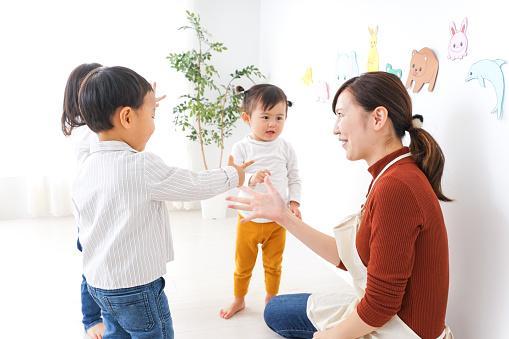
(308, 76)
(490, 70)
(373, 51)
(459, 43)
(322, 91)
(346, 66)
(423, 69)
(396, 71)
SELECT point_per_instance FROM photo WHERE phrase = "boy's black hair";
(107, 88)
(71, 116)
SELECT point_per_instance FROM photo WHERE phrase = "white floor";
(40, 275)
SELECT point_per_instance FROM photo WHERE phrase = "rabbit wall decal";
(458, 43)
(373, 59)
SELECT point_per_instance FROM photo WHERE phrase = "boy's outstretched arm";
(165, 183)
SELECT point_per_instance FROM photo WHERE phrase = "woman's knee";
(286, 315)
(272, 311)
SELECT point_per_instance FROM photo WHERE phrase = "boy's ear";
(125, 116)
(245, 117)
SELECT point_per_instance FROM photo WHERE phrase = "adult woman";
(396, 249)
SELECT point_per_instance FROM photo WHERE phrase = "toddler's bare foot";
(268, 297)
(237, 306)
(96, 331)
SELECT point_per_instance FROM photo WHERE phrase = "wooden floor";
(41, 275)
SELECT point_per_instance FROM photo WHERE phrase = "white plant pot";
(214, 208)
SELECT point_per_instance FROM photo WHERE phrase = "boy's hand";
(241, 169)
(294, 207)
(258, 178)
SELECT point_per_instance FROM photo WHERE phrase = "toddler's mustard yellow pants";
(272, 238)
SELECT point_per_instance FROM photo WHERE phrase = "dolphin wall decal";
(490, 70)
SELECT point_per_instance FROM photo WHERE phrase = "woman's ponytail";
(429, 157)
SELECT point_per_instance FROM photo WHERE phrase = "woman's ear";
(126, 115)
(379, 115)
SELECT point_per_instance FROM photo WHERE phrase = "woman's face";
(351, 127)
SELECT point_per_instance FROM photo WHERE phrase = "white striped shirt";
(118, 200)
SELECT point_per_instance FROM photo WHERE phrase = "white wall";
(43, 41)
(41, 44)
(295, 34)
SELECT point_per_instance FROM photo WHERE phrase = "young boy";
(264, 109)
(118, 198)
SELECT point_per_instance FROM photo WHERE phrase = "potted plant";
(208, 113)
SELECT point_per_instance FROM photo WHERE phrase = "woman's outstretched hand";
(268, 205)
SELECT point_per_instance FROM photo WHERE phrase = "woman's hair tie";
(417, 121)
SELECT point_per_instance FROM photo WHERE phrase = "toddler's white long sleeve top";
(279, 158)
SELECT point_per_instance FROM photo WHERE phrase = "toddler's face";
(267, 125)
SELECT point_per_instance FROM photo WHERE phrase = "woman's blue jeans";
(286, 315)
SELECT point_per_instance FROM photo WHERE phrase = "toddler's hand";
(241, 169)
(294, 207)
(258, 178)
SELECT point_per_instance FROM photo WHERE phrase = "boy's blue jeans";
(286, 315)
(140, 312)
(89, 308)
